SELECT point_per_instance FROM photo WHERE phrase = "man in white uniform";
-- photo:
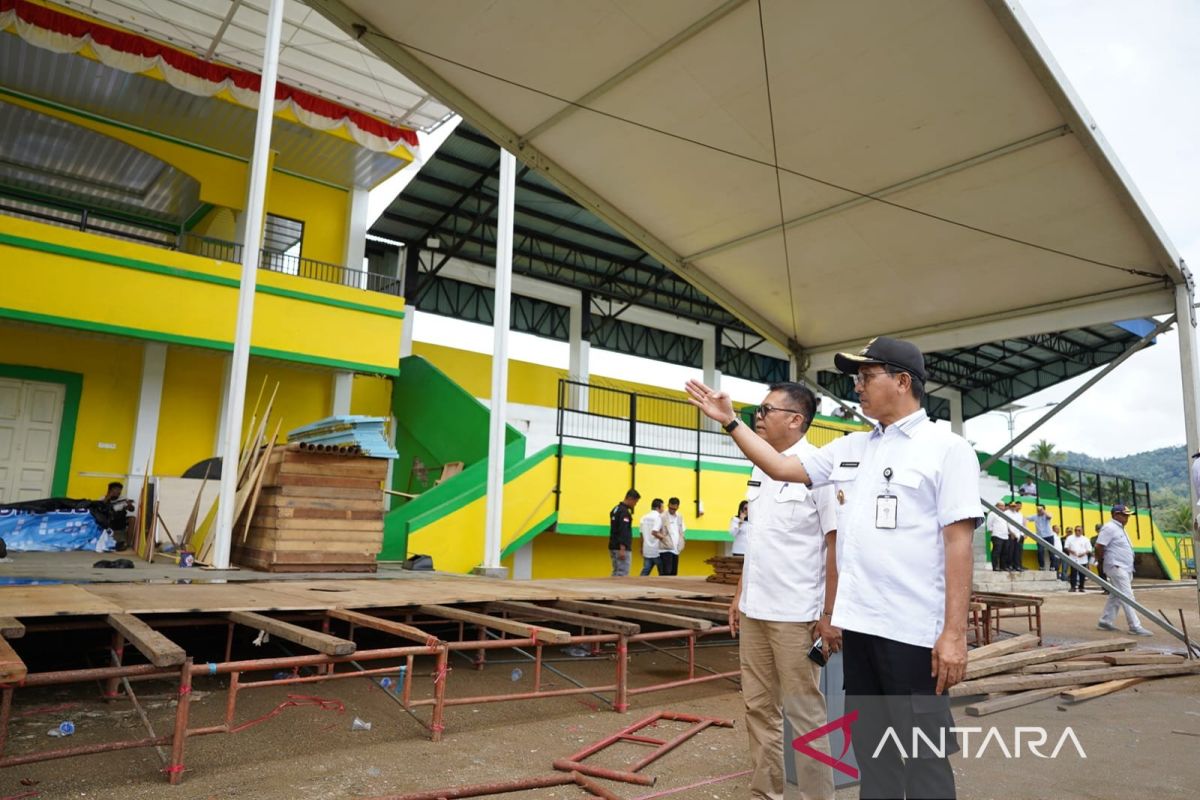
(908, 500)
(1114, 551)
(997, 528)
(651, 527)
(673, 540)
(778, 602)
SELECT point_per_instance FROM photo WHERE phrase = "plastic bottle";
(65, 728)
(360, 725)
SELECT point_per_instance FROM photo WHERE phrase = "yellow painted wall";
(190, 406)
(219, 223)
(111, 372)
(536, 384)
(323, 209)
(455, 540)
(371, 395)
(557, 555)
(167, 307)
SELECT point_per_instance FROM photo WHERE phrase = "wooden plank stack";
(726, 569)
(1016, 672)
(315, 512)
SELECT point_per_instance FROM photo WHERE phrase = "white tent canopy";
(934, 168)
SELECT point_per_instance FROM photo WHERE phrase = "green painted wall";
(437, 421)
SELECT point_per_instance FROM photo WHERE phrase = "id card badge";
(885, 512)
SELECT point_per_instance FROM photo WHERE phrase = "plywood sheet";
(52, 600)
(135, 598)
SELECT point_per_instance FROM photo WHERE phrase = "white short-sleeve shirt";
(783, 572)
(892, 582)
(997, 526)
(650, 523)
(1118, 552)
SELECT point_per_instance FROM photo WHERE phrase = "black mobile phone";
(817, 653)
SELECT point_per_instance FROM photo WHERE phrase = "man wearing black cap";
(1114, 551)
(908, 495)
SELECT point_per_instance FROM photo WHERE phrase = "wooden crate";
(317, 512)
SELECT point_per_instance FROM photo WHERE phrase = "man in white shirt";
(1114, 551)
(1028, 488)
(997, 528)
(1079, 548)
(651, 527)
(673, 540)
(778, 601)
(1016, 537)
(908, 506)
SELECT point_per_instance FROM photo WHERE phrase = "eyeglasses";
(766, 408)
(863, 378)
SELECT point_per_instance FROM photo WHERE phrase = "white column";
(223, 408)
(145, 432)
(251, 242)
(1189, 370)
(499, 399)
(708, 360)
(356, 236)
(523, 563)
(954, 398)
(406, 331)
(580, 352)
(343, 384)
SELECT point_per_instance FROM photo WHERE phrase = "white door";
(30, 417)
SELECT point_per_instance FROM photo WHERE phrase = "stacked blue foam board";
(366, 433)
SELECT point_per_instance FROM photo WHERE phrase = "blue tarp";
(49, 530)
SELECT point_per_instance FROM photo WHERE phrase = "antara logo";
(1031, 738)
(843, 724)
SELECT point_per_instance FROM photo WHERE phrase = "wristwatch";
(733, 423)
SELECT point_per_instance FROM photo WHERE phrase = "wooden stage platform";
(27, 602)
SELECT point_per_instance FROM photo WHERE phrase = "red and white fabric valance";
(62, 33)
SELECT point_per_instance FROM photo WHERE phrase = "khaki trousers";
(778, 678)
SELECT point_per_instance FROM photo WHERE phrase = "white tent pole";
(499, 402)
(235, 399)
(1189, 371)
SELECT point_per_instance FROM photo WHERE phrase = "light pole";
(1012, 411)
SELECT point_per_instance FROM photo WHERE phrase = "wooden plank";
(537, 612)
(714, 605)
(1018, 683)
(1125, 659)
(323, 482)
(12, 668)
(133, 598)
(271, 498)
(550, 635)
(1099, 690)
(27, 602)
(323, 491)
(384, 625)
(656, 617)
(1042, 655)
(1026, 641)
(1063, 666)
(316, 559)
(668, 607)
(986, 707)
(335, 511)
(313, 640)
(11, 628)
(157, 648)
(189, 530)
(258, 484)
(370, 468)
(265, 521)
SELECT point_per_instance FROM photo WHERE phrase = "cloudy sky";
(1137, 67)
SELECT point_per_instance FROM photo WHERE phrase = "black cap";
(884, 350)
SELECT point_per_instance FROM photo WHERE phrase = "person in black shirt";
(620, 533)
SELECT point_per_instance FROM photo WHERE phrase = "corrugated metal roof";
(85, 85)
(48, 157)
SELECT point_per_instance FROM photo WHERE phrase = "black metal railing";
(83, 219)
(650, 423)
(1052, 481)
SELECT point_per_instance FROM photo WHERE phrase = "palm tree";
(1047, 457)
